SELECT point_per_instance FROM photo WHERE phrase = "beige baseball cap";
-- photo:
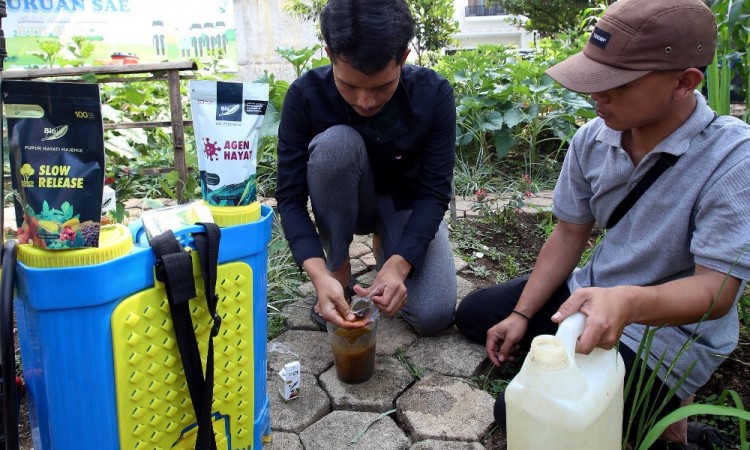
(635, 37)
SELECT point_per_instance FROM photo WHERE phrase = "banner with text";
(143, 30)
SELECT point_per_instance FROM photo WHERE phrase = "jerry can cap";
(114, 241)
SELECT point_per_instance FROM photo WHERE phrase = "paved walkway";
(438, 410)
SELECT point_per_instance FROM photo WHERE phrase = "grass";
(284, 279)
(416, 372)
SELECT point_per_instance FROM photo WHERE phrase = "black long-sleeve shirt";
(411, 146)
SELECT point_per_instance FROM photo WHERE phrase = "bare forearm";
(315, 268)
(557, 259)
(706, 295)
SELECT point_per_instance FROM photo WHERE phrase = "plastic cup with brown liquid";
(354, 351)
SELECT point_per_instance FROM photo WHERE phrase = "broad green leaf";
(504, 141)
(492, 121)
(514, 116)
(120, 146)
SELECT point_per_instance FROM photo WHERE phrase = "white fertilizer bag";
(227, 117)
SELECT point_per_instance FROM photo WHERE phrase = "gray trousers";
(344, 203)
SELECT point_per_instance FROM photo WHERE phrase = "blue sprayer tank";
(99, 356)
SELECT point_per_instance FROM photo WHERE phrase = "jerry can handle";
(569, 331)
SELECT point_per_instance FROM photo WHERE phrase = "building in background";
(248, 32)
(264, 26)
(480, 23)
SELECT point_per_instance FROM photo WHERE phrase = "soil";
(522, 236)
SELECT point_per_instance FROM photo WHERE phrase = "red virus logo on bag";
(211, 149)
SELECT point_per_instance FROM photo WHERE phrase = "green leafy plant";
(302, 59)
(283, 279)
(308, 12)
(497, 378)
(81, 47)
(547, 17)
(643, 387)
(733, 38)
(507, 106)
(435, 25)
(737, 411)
(49, 51)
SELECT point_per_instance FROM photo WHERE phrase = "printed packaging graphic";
(289, 381)
(175, 218)
(227, 118)
(56, 142)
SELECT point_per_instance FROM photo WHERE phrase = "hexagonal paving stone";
(296, 415)
(311, 348)
(465, 287)
(393, 334)
(378, 394)
(298, 315)
(336, 431)
(358, 266)
(367, 278)
(432, 444)
(445, 408)
(307, 289)
(448, 354)
(357, 249)
(459, 263)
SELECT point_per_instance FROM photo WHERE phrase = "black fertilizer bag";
(56, 141)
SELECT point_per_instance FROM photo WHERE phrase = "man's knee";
(336, 155)
(430, 321)
(336, 145)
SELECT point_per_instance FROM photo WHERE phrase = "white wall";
(262, 26)
(476, 30)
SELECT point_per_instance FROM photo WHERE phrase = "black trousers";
(482, 309)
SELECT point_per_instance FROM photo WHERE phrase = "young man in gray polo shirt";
(677, 259)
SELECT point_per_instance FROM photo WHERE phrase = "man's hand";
(503, 338)
(707, 294)
(331, 305)
(391, 280)
(607, 314)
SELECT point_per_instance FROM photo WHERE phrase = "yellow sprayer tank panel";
(154, 410)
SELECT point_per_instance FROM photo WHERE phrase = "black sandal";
(702, 436)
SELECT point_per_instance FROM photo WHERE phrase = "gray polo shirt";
(697, 212)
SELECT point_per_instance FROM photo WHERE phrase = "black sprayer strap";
(666, 161)
(7, 345)
(207, 245)
(174, 267)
